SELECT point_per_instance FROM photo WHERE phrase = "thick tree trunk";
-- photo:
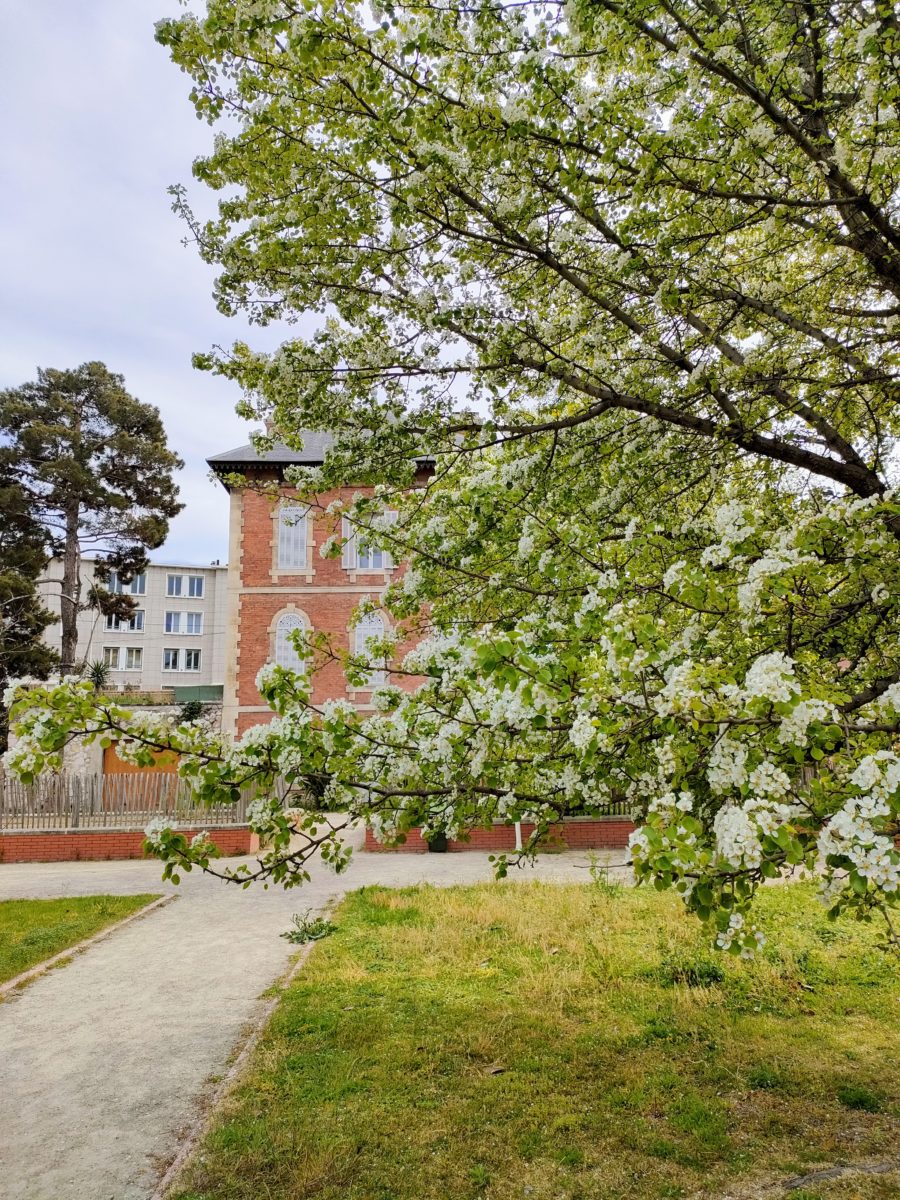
(70, 600)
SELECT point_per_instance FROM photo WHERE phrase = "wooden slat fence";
(126, 801)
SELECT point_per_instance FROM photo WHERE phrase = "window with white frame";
(111, 657)
(368, 558)
(370, 627)
(173, 622)
(292, 540)
(134, 658)
(357, 555)
(170, 660)
(286, 654)
(195, 586)
(192, 660)
(173, 585)
(136, 586)
(193, 622)
(132, 624)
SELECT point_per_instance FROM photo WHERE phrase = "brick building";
(279, 581)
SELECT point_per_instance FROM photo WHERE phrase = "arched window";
(370, 626)
(285, 652)
(292, 523)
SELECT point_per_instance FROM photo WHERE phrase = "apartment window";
(173, 585)
(195, 586)
(194, 622)
(133, 624)
(371, 626)
(192, 660)
(111, 657)
(286, 654)
(134, 658)
(136, 587)
(292, 524)
(173, 622)
(170, 660)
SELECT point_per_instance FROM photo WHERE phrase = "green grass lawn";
(565, 1043)
(34, 930)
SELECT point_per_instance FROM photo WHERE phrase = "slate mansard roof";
(315, 447)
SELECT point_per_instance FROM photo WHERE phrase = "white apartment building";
(175, 637)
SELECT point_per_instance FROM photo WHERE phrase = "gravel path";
(105, 1062)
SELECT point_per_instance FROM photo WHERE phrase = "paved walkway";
(105, 1062)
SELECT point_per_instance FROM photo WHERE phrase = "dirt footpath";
(106, 1061)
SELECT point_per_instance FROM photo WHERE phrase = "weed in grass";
(307, 928)
(690, 969)
(863, 1099)
(606, 884)
(569, 1156)
(763, 1078)
(479, 1176)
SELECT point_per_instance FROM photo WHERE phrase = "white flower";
(154, 829)
(737, 841)
(582, 731)
(771, 677)
(727, 766)
(769, 780)
(795, 725)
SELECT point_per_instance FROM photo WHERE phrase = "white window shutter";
(348, 554)
(392, 516)
(292, 522)
(285, 652)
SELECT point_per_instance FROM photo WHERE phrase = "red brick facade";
(324, 596)
(96, 844)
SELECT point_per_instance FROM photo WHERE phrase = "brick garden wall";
(95, 844)
(611, 833)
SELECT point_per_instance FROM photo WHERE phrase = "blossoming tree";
(629, 274)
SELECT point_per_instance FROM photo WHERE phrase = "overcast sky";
(96, 124)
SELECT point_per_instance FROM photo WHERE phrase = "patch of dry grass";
(564, 1043)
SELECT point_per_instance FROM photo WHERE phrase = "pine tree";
(23, 618)
(95, 467)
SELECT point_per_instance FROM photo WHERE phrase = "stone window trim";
(292, 610)
(309, 572)
(365, 692)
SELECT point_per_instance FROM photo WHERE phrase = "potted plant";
(437, 841)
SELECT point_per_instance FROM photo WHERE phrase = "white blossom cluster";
(771, 677)
(737, 837)
(739, 932)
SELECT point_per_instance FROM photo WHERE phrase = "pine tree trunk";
(70, 600)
